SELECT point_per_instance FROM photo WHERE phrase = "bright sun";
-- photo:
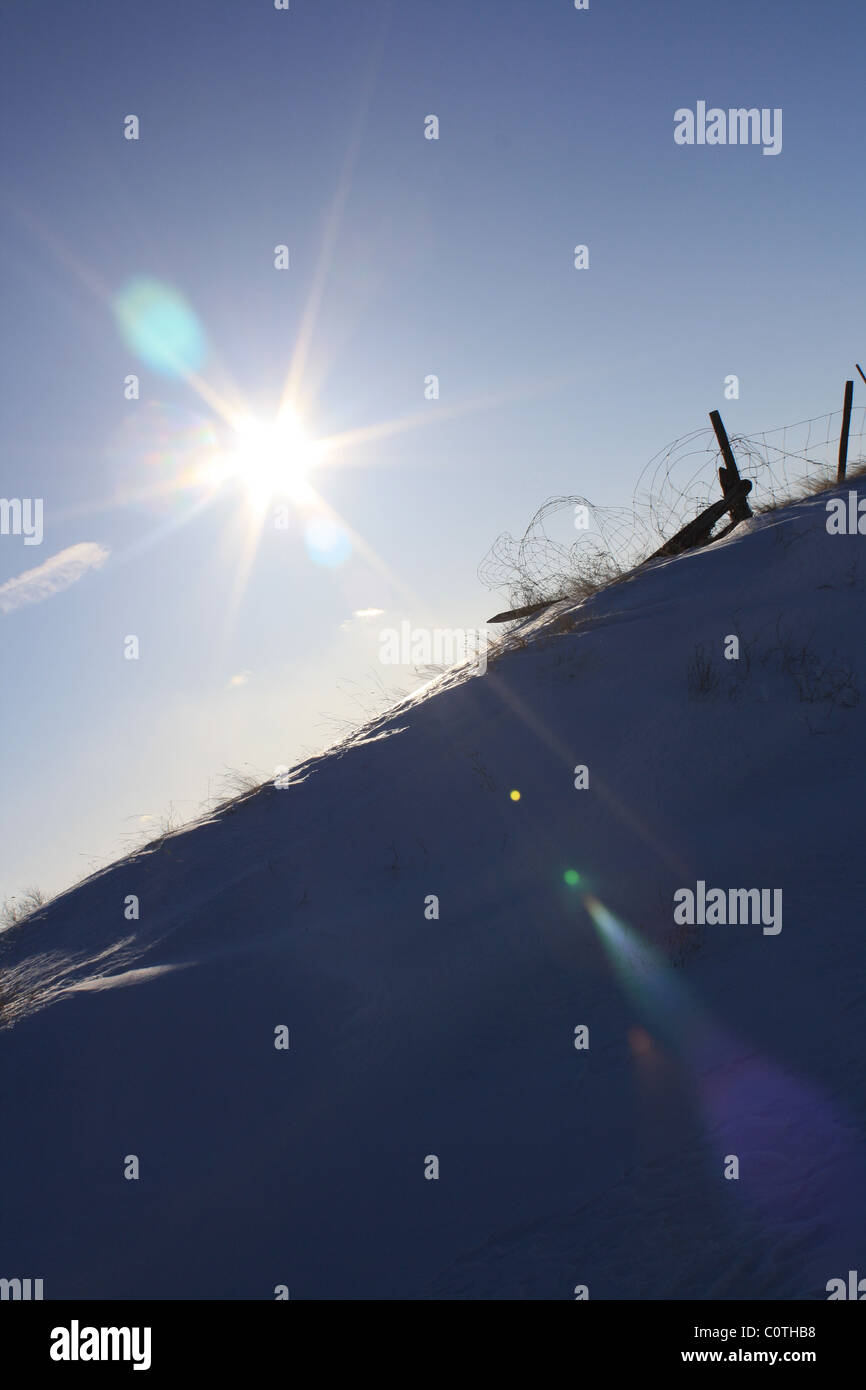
(271, 459)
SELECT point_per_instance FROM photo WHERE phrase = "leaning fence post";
(729, 476)
(843, 437)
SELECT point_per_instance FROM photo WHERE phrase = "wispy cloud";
(362, 614)
(57, 573)
(240, 679)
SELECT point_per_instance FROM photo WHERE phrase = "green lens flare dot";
(572, 877)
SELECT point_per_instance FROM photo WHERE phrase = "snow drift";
(582, 1067)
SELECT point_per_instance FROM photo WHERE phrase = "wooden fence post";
(729, 476)
(843, 437)
(697, 532)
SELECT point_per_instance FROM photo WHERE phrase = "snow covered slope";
(412, 1036)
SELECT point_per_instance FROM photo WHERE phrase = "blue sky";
(407, 257)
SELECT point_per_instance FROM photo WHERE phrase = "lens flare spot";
(515, 796)
(327, 542)
(640, 1041)
(159, 326)
(572, 877)
(167, 451)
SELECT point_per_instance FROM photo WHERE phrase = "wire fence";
(678, 483)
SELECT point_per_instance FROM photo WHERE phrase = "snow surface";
(454, 1037)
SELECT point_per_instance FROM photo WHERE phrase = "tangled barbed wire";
(677, 484)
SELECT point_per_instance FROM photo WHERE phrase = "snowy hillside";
(412, 1036)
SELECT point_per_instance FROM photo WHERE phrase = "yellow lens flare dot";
(515, 796)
